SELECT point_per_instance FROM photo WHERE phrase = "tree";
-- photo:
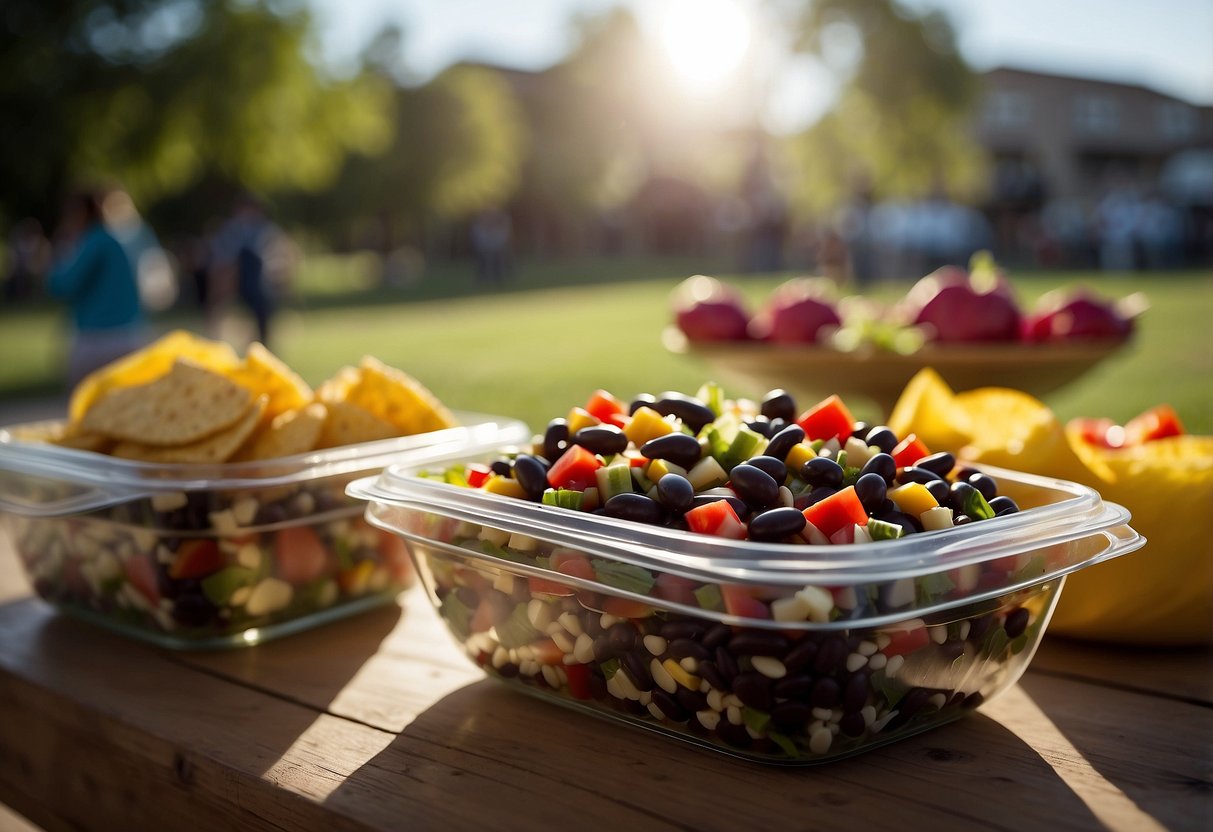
(161, 94)
(901, 118)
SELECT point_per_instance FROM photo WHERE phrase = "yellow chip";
(263, 373)
(218, 447)
(148, 364)
(188, 404)
(397, 398)
(290, 433)
(927, 408)
(337, 388)
(349, 424)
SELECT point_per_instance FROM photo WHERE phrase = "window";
(1176, 120)
(1007, 109)
(1097, 114)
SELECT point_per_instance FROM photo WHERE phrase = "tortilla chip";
(185, 406)
(149, 364)
(349, 424)
(217, 447)
(263, 373)
(398, 399)
(290, 433)
(337, 388)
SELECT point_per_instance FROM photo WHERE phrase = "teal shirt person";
(93, 273)
(98, 279)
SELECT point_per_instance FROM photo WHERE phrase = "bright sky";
(1164, 44)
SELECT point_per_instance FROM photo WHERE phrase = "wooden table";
(379, 722)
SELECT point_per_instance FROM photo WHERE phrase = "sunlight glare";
(705, 40)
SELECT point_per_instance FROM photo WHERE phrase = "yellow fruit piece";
(149, 364)
(1163, 594)
(658, 468)
(927, 406)
(913, 498)
(798, 456)
(646, 424)
(504, 486)
(580, 418)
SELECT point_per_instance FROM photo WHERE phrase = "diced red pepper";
(906, 637)
(574, 564)
(196, 559)
(579, 681)
(300, 555)
(478, 475)
(676, 588)
(546, 586)
(910, 450)
(626, 607)
(1097, 432)
(838, 511)
(828, 419)
(740, 601)
(718, 518)
(602, 406)
(1156, 423)
(575, 469)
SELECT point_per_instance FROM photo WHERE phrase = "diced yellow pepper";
(687, 680)
(580, 418)
(658, 468)
(913, 498)
(644, 425)
(505, 486)
(798, 456)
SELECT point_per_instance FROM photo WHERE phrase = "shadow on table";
(488, 754)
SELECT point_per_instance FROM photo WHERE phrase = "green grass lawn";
(535, 349)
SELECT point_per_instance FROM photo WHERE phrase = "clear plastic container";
(209, 556)
(774, 652)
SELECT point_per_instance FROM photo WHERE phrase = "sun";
(704, 40)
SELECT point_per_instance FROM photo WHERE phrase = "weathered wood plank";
(1183, 673)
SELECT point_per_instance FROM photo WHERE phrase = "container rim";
(1079, 513)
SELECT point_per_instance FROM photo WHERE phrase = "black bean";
(775, 467)
(598, 686)
(941, 463)
(983, 483)
(951, 650)
(882, 438)
(790, 716)
(762, 427)
(1003, 505)
(682, 628)
(500, 467)
(781, 444)
(800, 655)
(193, 610)
(959, 494)
(691, 700)
(509, 670)
(717, 635)
(604, 649)
(939, 489)
(830, 654)
(978, 627)
(738, 504)
(853, 725)
(961, 520)
(822, 471)
(914, 701)
(860, 429)
(758, 643)
(797, 686)
(871, 490)
(601, 439)
(881, 464)
(725, 663)
(855, 694)
(803, 501)
(643, 400)
(555, 438)
(681, 648)
(622, 635)
(912, 473)
(710, 672)
(531, 475)
(909, 523)
(676, 447)
(734, 735)
(636, 663)
(635, 507)
(693, 413)
(669, 706)
(753, 689)
(776, 524)
(1017, 622)
(826, 693)
(779, 404)
(973, 700)
(754, 485)
(675, 492)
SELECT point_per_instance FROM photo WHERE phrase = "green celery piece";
(891, 689)
(976, 506)
(784, 742)
(930, 588)
(613, 479)
(817, 445)
(755, 719)
(609, 668)
(517, 630)
(882, 530)
(344, 553)
(562, 498)
(841, 459)
(218, 588)
(458, 615)
(712, 395)
(709, 597)
(850, 475)
(746, 444)
(624, 576)
(455, 476)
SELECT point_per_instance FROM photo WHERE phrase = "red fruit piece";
(196, 559)
(300, 555)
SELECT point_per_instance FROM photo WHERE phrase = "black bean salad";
(773, 672)
(764, 472)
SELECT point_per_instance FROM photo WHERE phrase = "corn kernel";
(913, 498)
(505, 486)
(644, 425)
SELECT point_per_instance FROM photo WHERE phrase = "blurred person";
(1160, 232)
(153, 269)
(29, 254)
(854, 227)
(491, 232)
(93, 273)
(1116, 219)
(251, 256)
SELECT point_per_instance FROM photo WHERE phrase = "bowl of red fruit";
(965, 323)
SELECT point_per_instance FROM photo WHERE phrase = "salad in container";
(784, 585)
(197, 500)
